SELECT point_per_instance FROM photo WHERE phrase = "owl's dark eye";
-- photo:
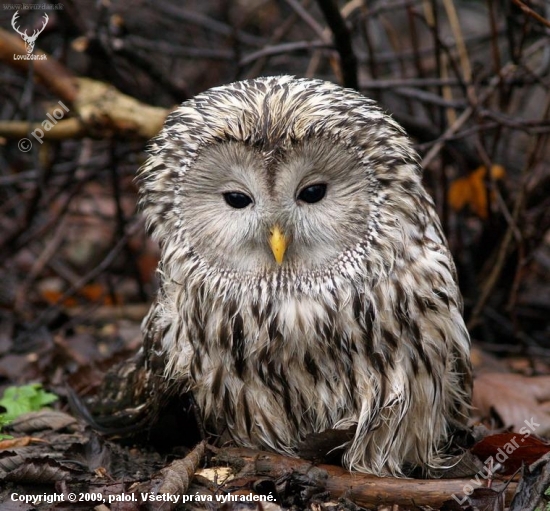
(312, 194)
(237, 200)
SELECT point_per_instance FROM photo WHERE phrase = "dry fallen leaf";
(517, 399)
(471, 190)
(511, 450)
(12, 443)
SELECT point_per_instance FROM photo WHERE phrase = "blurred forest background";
(468, 79)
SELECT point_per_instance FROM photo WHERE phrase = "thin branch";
(511, 233)
(91, 275)
(49, 71)
(308, 19)
(283, 48)
(527, 10)
(465, 116)
(187, 16)
(279, 33)
(342, 41)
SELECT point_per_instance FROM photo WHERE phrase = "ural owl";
(305, 282)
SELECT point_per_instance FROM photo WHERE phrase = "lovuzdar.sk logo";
(29, 39)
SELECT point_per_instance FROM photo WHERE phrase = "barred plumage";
(358, 326)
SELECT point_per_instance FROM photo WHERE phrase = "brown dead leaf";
(53, 296)
(511, 450)
(97, 293)
(17, 467)
(471, 190)
(11, 443)
(486, 499)
(515, 398)
(42, 419)
(325, 446)
(530, 493)
(94, 292)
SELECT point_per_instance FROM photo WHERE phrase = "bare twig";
(101, 110)
(530, 12)
(49, 71)
(279, 33)
(176, 12)
(465, 116)
(512, 231)
(308, 19)
(281, 49)
(342, 41)
(91, 275)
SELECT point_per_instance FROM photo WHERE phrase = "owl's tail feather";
(130, 400)
(124, 402)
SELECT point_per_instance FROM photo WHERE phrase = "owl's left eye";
(312, 194)
(237, 200)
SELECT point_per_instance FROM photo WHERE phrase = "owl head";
(277, 174)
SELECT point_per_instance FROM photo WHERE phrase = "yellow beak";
(278, 243)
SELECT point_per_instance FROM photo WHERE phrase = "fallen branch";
(96, 108)
(364, 490)
(54, 75)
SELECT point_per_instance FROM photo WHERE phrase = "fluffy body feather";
(360, 326)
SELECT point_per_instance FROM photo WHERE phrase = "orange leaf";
(91, 292)
(12, 443)
(471, 190)
(53, 296)
(98, 293)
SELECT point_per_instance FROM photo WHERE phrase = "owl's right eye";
(314, 193)
(237, 200)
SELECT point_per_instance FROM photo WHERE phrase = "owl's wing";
(132, 393)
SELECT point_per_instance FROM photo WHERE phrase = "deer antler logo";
(29, 39)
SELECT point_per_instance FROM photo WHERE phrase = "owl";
(305, 281)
